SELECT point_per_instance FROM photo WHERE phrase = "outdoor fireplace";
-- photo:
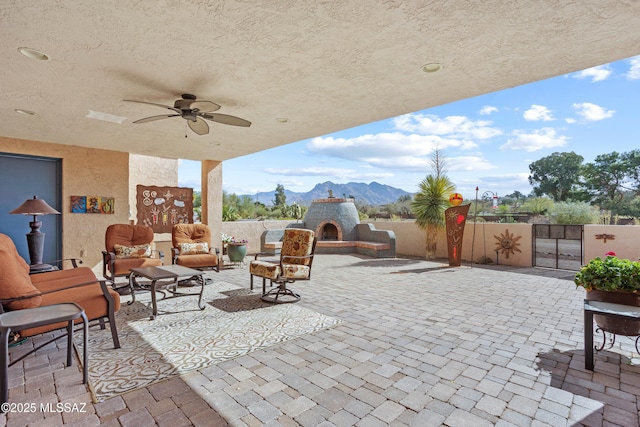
(332, 219)
(337, 227)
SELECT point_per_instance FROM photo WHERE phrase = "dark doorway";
(329, 232)
(21, 178)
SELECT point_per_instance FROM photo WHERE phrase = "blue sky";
(489, 141)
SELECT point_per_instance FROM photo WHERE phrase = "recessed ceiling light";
(33, 54)
(433, 67)
(25, 112)
(282, 120)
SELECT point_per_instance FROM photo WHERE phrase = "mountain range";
(371, 194)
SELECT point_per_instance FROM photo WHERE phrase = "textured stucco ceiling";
(324, 65)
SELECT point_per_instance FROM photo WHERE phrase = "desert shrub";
(573, 213)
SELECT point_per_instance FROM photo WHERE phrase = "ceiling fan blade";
(153, 103)
(199, 126)
(154, 118)
(227, 120)
(204, 106)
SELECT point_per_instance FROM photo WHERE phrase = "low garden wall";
(480, 239)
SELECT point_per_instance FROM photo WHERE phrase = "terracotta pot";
(626, 327)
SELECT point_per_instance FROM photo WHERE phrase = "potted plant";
(614, 280)
(236, 249)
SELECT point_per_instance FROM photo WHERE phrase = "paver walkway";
(419, 346)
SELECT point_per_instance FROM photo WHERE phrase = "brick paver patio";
(419, 346)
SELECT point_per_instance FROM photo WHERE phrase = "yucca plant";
(431, 201)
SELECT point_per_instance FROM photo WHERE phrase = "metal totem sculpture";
(455, 218)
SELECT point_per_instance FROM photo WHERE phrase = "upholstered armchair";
(128, 246)
(296, 258)
(19, 290)
(192, 247)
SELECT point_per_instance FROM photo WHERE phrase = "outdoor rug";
(183, 338)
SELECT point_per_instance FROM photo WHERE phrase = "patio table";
(174, 273)
(39, 316)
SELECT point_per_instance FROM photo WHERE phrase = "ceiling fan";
(194, 112)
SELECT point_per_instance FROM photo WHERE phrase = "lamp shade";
(34, 207)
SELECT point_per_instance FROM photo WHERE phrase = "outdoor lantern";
(35, 239)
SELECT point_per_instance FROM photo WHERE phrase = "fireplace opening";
(329, 232)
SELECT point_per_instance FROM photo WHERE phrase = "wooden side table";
(32, 318)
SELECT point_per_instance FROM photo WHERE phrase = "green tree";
(197, 205)
(431, 201)
(632, 159)
(514, 199)
(246, 207)
(608, 178)
(556, 175)
(280, 197)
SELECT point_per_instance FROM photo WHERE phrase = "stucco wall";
(252, 230)
(146, 170)
(85, 172)
(410, 241)
(624, 240)
(114, 174)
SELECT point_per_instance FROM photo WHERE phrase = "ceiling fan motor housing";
(194, 112)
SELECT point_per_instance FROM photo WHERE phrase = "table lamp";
(35, 239)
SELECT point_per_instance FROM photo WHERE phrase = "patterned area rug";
(184, 338)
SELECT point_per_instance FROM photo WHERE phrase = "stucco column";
(212, 199)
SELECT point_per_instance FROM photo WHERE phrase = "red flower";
(610, 253)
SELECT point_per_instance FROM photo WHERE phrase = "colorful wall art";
(162, 207)
(455, 218)
(92, 204)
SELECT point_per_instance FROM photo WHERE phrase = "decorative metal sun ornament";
(507, 244)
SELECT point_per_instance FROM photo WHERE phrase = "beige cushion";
(137, 251)
(193, 248)
(266, 269)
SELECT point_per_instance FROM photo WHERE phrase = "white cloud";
(383, 146)
(468, 163)
(634, 69)
(592, 112)
(409, 151)
(487, 109)
(291, 182)
(337, 173)
(454, 126)
(570, 120)
(538, 113)
(537, 140)
(596, 74)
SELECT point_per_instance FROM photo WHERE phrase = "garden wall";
(480, 239)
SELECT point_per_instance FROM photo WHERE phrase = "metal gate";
(558, 246)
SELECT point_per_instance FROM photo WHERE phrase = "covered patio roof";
(294, 69)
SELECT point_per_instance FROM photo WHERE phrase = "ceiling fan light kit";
(194, 111)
